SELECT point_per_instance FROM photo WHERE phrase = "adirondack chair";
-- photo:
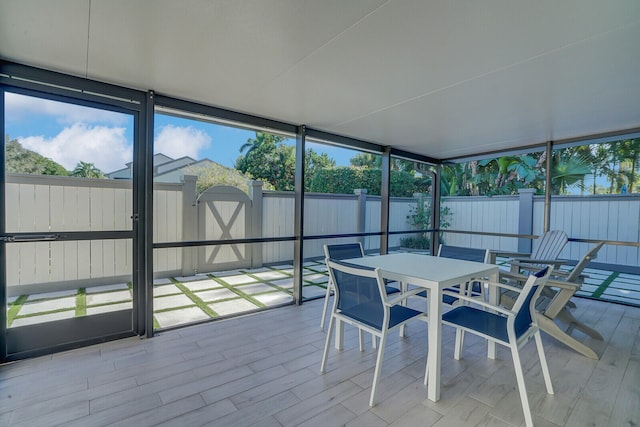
(546, 250)
(554, 304)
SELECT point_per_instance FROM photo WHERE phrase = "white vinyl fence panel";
(167, 226)
(615, 217)
(277, 221)
(328, 214)
(58, 204)
(488, 214)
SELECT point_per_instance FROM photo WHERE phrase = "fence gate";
(224, 213)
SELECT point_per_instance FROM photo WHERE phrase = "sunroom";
(172, 170)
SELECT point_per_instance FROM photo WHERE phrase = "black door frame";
(16, 78)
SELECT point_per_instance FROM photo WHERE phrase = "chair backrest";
(592, 253)
(524, 306)
(467, 254)
(549, 245)
(359, 292)
(343, 251)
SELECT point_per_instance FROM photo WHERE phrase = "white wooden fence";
(58, 204)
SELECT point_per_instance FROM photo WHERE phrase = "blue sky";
(69, 133)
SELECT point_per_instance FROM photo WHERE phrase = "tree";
(20, 160)
(269, 159)
(212, 174)
(374, 161)
(628, 152)
(313, 163)
(420, 218)
(87, 170)
(366, 160)
(343, 180)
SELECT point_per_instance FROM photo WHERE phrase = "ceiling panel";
(49, 34)
(564, 94)
(217, 52)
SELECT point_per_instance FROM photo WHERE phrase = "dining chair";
(341, 252)
(361, 300)
(512, 328)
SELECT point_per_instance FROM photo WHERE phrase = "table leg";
(435, 345)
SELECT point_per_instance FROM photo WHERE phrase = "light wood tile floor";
(263, 370)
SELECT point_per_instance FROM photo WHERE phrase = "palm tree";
(569, 169)
(261, 139)
(87, 170)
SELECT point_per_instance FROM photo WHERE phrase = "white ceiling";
(440, 78)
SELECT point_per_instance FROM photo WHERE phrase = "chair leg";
(360, 339)
(376, 374)
(327, 343)
(426, 371)
(374, 342)
(326, 304)
(457, 355)
(521, 386)
(543, 363)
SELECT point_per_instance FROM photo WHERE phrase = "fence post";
(361, 222)
(189, 224)
(255, 194)
(525, 218)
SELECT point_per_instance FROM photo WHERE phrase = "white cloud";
(20, 107)
(179, 141)
(106, 147)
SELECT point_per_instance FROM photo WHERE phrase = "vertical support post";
(525, 218)
(189, 224)
(143, 232)
(362, 212)
(435, 211)
(3, 257)
(384, 200)
(298, 221)
(255, 194)
(547, 187)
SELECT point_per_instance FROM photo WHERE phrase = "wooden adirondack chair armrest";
(525, 263)
(563, 284)
(481, 303)
(557, 283)
(562, 274)
(494, 254)
(538, 261)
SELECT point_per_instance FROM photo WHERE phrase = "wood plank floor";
(263, 370)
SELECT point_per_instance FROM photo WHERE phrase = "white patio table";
(434, 274)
